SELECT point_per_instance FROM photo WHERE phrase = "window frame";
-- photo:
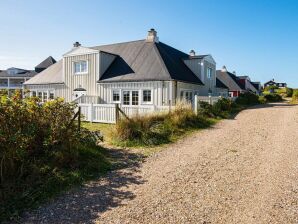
(187, 92)
(209, 76)
(80, 72)
(119, 92)
(151, 96)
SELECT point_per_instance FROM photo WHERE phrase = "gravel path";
(243, 170)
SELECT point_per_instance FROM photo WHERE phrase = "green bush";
(41, 152)
(289, 92)
(247, 99)
(295, 95)
(262, 100)
(273, 97)
(222, 108)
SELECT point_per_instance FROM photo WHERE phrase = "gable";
(80, 51)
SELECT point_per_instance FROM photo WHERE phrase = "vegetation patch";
(42, 153)
(157, 129)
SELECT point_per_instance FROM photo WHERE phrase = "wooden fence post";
(79, 119)
(91, 112)
(170, 106)
(196, 105)
(117, 115)
(210, 100)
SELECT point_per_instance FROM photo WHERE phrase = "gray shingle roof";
(45, 64)
(230, 80)
(51, 75)
(219, 84)
(27, 73)
(146, 61)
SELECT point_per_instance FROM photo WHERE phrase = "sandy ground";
(243, 170)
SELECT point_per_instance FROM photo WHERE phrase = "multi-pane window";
(51, 96)
(34, 93)
(80, 67)
(45, 96)
(147, 96)
(186, 95)
(126, 97)
(209, 73)
(116, 95)
(40, 95)
(135, 97)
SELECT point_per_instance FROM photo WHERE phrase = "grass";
(50, 181)
(105, 129)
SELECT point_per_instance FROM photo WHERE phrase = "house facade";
(248, 85)
(143, 72)
(277, 84)
(13, 79)
(231, 81)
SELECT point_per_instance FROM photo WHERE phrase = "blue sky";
(252, 37)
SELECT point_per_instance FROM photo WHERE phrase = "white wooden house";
(137, 73)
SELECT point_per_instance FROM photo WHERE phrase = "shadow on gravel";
(86, 203)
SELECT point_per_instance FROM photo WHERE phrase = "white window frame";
(130, 97)
(80, 72)
(48, 91)
(209, 76)
(119, 91)
(183, 95)
(142, 95)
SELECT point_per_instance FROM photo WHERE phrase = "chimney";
(224, 69)
(192, 53)
(152, 36)
(76, 44)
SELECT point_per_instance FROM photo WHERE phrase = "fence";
(107, 113)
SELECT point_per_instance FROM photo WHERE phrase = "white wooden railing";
(106, 113)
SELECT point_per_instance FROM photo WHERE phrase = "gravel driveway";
(243, 170)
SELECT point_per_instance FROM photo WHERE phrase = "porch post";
(196, 104)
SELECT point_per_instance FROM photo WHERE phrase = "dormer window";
(80, 67)
(209, 73)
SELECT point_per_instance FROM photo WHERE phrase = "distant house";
(258, 87)
(143, 72)
(13, 78)
(230, 80)
(248, 85)
(277, 84)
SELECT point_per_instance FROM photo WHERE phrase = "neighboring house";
(246, 82)
(277, 84)
(258, 87)
(231, 81)
(221, 88)
(13, 78)
(143, 72)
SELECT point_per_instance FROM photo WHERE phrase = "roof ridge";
(125, 42)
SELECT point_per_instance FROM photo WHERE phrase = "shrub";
(273, 97)
(295, 95)
(247, 99)
(289, 92)
(262, 100)
(41, 152)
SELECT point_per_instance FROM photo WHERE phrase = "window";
(126, 97)
(135, 97)
(34, 93)
(147, 96)
(209, 73)
(45, 96)
(116, 95)
(186, 95)
(80, 67)
(51, 96)
(40, 95)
